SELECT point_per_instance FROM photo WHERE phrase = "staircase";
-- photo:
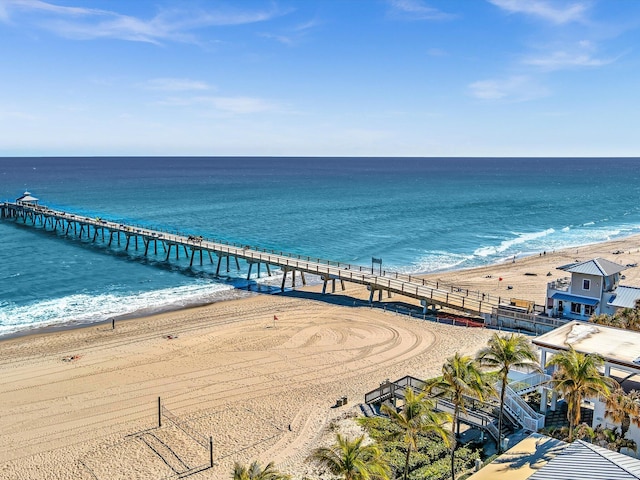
(473, 417)
(517, 408)
(517, 413)
(530, 383)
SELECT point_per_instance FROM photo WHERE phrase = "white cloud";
(416, 10)
(294, 35)
(560, 60)
(175, 84)
(234, 105)
(42, 6)
(284, 39)
(567, 13)
(306, 26)
(4, 15)
(517, 88)
(86, 23)
(17, 115)
(242, 105)
(576, 55)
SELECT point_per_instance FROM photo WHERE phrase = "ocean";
(418, 215)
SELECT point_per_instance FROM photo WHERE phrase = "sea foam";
(82, 309)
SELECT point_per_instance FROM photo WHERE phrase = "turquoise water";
(418, 215)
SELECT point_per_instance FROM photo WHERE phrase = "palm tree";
(255, 472)
(623, 408)
(352, 460)
(504, 353)
(602, 319)
(461, 378)
(628, 318)
(417, 416)
(577, 376)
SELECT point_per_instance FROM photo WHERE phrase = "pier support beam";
(249, 272)
(251, 264)
(286, 271)
(372, 291)
(330, 278)
(221, 257)
(193, 253)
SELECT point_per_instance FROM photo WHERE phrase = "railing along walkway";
(396, 390)
(392, 282)
(515, 406)
(526, 416)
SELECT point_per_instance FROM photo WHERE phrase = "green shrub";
(432, 461)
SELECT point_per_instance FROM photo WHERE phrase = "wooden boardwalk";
(474, 416)
(198, 248)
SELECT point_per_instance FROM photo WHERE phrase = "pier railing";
(428, 291)
(178, 236)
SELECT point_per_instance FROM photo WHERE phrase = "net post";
(211, 452)
(159, 412)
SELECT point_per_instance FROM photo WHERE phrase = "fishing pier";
(166, 246)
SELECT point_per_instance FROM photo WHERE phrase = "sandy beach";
(83, 403)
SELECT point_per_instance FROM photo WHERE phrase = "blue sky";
(320, 77)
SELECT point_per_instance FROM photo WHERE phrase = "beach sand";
(533, 287)
(83, 403)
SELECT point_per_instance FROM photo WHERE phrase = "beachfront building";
(620, 350)
(591, 290)
(27, 199)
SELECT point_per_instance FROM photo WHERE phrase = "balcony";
(559, 285)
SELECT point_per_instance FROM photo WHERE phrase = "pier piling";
(29, 212)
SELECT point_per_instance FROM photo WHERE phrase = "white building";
(619, 348)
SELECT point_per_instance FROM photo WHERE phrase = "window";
(589, 310)
(586, 284)
(576, 307)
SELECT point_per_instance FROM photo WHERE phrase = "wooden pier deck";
(197, 247)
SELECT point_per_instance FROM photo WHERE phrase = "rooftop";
(539, 457)
(522, 460)
(625, 297)
(617, 346)
(597, 266)
(26, 197)
(585, 460)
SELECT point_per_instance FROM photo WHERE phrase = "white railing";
(527, 416)
(529, 382)
(397, 283)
